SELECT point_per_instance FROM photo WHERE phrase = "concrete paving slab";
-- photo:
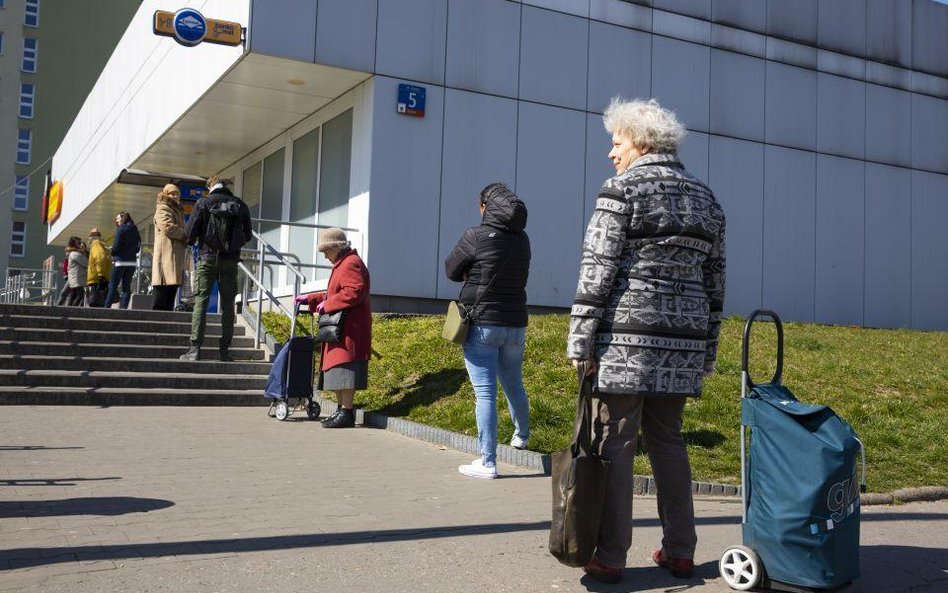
(228, 500)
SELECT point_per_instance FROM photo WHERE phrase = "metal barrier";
(30, 285)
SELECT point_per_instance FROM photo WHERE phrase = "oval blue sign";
(189, 27)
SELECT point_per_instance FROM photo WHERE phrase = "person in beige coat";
(170, 257)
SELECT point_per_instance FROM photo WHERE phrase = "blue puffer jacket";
(126, 244)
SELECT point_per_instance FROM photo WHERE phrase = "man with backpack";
(219, 226)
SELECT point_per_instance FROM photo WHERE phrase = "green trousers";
(224, 272)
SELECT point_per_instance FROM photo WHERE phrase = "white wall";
(147, 84)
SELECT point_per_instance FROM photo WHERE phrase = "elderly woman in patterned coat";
(645, 321)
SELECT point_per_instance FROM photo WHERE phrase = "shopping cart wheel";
(740, 568)
(313, 410)
(282, 410)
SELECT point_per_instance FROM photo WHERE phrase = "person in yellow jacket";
(100, 267)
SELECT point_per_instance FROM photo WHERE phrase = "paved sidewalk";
(227, 500)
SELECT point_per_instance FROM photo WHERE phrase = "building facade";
(820, 125)
(53, 54)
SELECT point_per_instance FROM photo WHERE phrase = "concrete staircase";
(78, 356)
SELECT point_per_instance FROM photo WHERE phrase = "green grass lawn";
(890, 385)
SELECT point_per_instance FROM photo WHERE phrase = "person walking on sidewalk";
(493, 261)
(100, 270)
(219, 226)
(646, 319)
(344, 365)
(170, 257)
(125, 248)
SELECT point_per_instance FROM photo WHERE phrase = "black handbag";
(579, 488)
(329, 327)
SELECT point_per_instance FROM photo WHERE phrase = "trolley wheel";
(740, 568)
(313, 410)
(282, 410)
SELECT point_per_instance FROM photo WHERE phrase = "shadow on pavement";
(106, 506)
(650, 577)
(31, 557)
(52, 481)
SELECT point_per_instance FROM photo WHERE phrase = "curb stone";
(540, 462)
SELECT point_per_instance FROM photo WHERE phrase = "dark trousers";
(77, 296)
(97, 293)
(212, 269)
(616, 424)
(164, 297)
(120, 275)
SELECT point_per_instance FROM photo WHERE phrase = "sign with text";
(189, 28)
(411, 100)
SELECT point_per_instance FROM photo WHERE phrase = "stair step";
(98, 396)
(100, 313)
(143, 365)
(153, 380)
(181, 326)
(104, 337)
(8, 348)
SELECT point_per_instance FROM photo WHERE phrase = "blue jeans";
(123, 275)
(492, 352)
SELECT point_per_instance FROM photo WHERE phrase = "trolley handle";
(312, 318)
(746, 346)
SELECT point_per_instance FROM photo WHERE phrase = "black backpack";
(225, 229)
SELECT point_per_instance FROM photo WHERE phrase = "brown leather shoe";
(682, 568)
(602, 572)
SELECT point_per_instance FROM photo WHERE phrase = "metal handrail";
(18, 287)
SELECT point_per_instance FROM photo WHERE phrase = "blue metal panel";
(629, 77)
(550, 159)
(681, 74)
(929, 41)
(480, 147)
(345, 34)
(737, 95)
(411, 39)
(791, 102)
(737, 180)
(793, 19)
(598, 166)
(929, 251)
(697, 8)
(284, 28)
(888, 246)
(789, 232)
(840, 250)
(743, 14)
(841, 26)
(406, 189)
(553, 55)
(889, 31)
(693, 153)
(929, 133)
(484, 46)
(888, 125)
(841, 116)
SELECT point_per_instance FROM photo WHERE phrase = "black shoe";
(345, 419)
(225, 356)
(332, 416)
(193, 353)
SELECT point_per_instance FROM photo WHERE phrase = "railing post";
(259, 292)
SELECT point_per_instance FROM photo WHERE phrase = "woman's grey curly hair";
(645, 123)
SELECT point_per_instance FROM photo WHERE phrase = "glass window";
(250, 190)
(18, 239)
(334, 175)
(24, 143)
(30, 52)
(1, 38)
(32, 16)
(303, 199)
(21, 192)
(271, 197)
(27, 92)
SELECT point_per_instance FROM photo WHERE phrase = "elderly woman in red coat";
(344, 365)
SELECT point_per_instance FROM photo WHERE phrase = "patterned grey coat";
(651, 282)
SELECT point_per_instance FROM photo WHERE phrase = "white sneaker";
(477, 469)
(518, 443)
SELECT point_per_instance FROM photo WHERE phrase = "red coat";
(348, 289)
